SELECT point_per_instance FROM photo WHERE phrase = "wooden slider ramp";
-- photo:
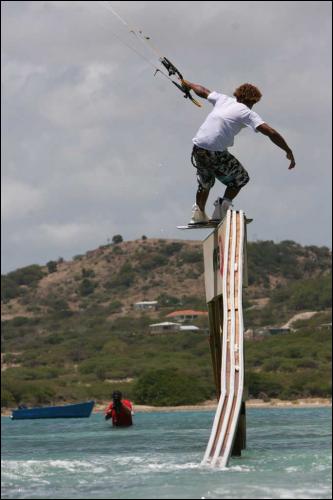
(225, 260)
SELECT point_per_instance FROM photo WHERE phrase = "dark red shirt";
(124, 417)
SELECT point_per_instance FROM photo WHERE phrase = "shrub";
(122, 280)
(191, 256)
(32, 392)
(117, 251)
(114, 307)
(152, 261)
(117, 238)
(165, 299)
(52, 266)
(11, 283)
(7, 398)
(9, 289)
(86, 287)
(171, 248)
(19, 321)
(29, 275)
(168, 387)
(88, 273)
(78, 257)
(264, 382)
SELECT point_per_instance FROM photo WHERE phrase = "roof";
(166, 323)
(187, 312)
(189, 327)
(146, 302)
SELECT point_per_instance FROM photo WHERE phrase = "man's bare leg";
(231, 192)
(201, 198)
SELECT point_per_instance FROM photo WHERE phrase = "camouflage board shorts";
(219, 165)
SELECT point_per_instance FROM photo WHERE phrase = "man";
(210, 155)
(120, 410)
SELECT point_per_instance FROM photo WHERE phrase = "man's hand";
(186, 84)
(277, 138)
(197, 89)
(290, 157)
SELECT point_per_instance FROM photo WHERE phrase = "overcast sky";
(93, 145)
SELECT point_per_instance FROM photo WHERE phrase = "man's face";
(116, 398)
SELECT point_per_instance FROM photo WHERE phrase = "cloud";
(19, 199)
(64, 235)
(94, 145)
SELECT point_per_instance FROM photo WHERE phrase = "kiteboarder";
(210, 155)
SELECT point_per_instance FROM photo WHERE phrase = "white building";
(189, 328)
(187, 315)
(167, 326)
(146, 305)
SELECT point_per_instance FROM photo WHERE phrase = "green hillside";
(69, 330)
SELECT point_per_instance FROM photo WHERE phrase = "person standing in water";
(120, 411)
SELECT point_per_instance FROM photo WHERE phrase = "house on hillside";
(327, 326)
(165, 327)
(189, 328)
(278, 330)
(187, 315)
(146, 305)
(168, 326)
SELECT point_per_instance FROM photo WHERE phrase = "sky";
(94, 145)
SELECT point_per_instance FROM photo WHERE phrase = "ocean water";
(288, 456)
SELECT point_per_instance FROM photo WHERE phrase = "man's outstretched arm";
(278, 140)
(197, 89)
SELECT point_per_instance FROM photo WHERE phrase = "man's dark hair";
(247, 94)
(117, 395)
(117, 404)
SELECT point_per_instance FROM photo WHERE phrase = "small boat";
(79, 410)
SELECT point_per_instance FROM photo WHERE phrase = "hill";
(70, 331)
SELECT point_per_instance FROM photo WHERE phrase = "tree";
(86, 287)
(168, 387)
(117, 238)
(52, 266)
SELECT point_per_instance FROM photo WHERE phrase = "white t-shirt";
(224, 122)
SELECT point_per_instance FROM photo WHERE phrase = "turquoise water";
(288, 456)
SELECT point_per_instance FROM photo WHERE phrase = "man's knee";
(202, 189)
(243, 180)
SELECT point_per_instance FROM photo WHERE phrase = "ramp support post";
(225, 266)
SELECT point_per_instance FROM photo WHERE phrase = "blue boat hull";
(80, 410)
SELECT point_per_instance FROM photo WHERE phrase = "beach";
(210, 405)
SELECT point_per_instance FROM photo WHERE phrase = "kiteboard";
(200, 225)
(207, 225)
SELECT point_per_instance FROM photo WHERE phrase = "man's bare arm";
(278, 140)
(197, 89)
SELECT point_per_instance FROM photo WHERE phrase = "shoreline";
(212, 405)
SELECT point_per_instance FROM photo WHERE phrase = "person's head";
(116, 396)
(248, 94)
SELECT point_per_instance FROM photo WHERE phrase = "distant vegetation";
(313, 294)
(12, 284)
(78, 338)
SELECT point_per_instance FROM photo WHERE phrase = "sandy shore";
(211, 406)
